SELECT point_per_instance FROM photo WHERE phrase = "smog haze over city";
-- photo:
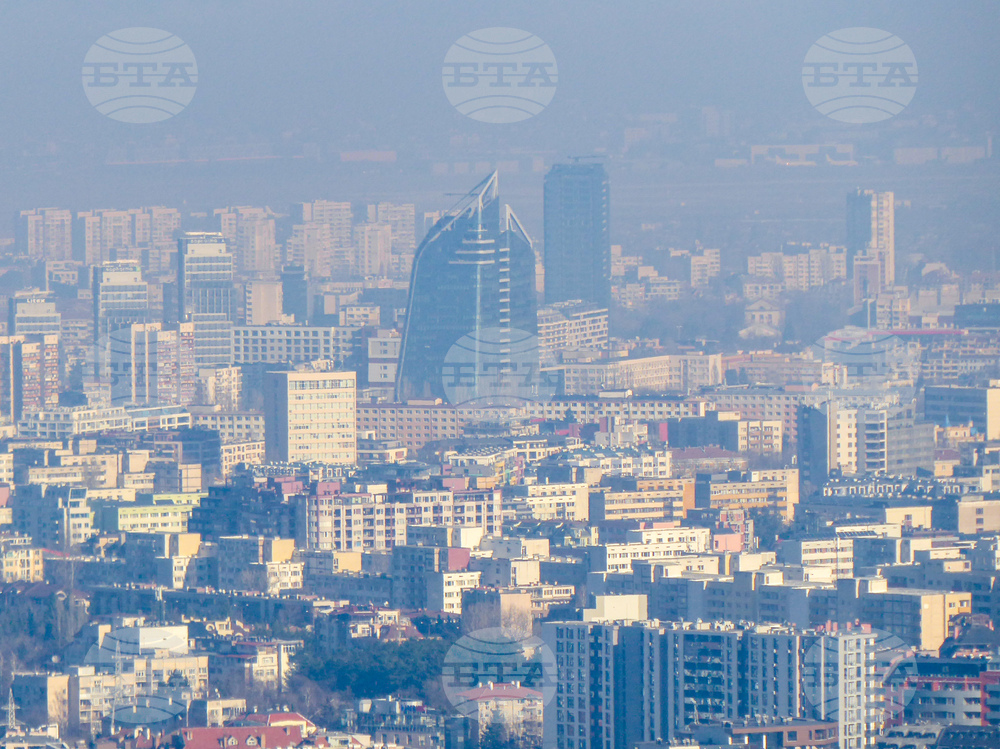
(524, 375)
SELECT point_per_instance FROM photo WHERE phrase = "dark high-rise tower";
(871, 231)
(204, 276)
(577, 242)
(473, 279)
(121, 299)
(295, 292)
(205, 295)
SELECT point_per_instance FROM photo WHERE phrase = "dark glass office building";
(295, 293)
(473, 280)
(204, 276)
(577, 242)
(121, 299)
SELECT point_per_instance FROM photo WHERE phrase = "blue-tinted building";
(473, 280)
(577, 241)
(204, 276)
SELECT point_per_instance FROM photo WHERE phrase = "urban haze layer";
(452, 376)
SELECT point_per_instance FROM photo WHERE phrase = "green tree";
(768, 527)
(370, 668)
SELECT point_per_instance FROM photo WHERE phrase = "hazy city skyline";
(500, 376)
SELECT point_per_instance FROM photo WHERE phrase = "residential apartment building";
(570, 326)
(555, 501)
(623, 405)
(310, 417)
(646, 682)
(258, 563)
(45, 233)
(19, 560)
(367, 518)
(801, 271)
(679, 373)
(29, 374)
(862, 440)
(295, 344)
(414, 423)
(232, 426)
(663, 500)
(770, 490)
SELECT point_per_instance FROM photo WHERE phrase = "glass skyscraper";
(577, 242)
(472, 293)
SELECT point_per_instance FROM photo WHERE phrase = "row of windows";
(325, 384)
(282, 333)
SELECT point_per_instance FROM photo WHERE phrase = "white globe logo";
(891, 670)
(859, 75)
(139, 75)
(863, 352)
(113, 366)
(499, 75)
(495, 655)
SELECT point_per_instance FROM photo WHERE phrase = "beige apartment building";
(547, 502)
(918, 617)
(19, 561)
(258, 563)
(641, 502)
(622, 405)
(569, 326)
(311, 417)
(653, 374)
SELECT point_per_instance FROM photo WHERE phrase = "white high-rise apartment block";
(839, 680)
(46, 233)
(338, 216)
(108, 234)
(871, 230)
(250, 232)
(621, 683)
(310, 246)
(152, 366)
(874, 437)
(373, 246)
(262, 302)
(402, 219)
(311, 416)
(322, 238)
(570, 326)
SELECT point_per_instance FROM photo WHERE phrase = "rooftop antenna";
(118, 682)
(11, 713)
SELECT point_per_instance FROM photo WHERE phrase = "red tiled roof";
(242, 737)
(271, 719)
